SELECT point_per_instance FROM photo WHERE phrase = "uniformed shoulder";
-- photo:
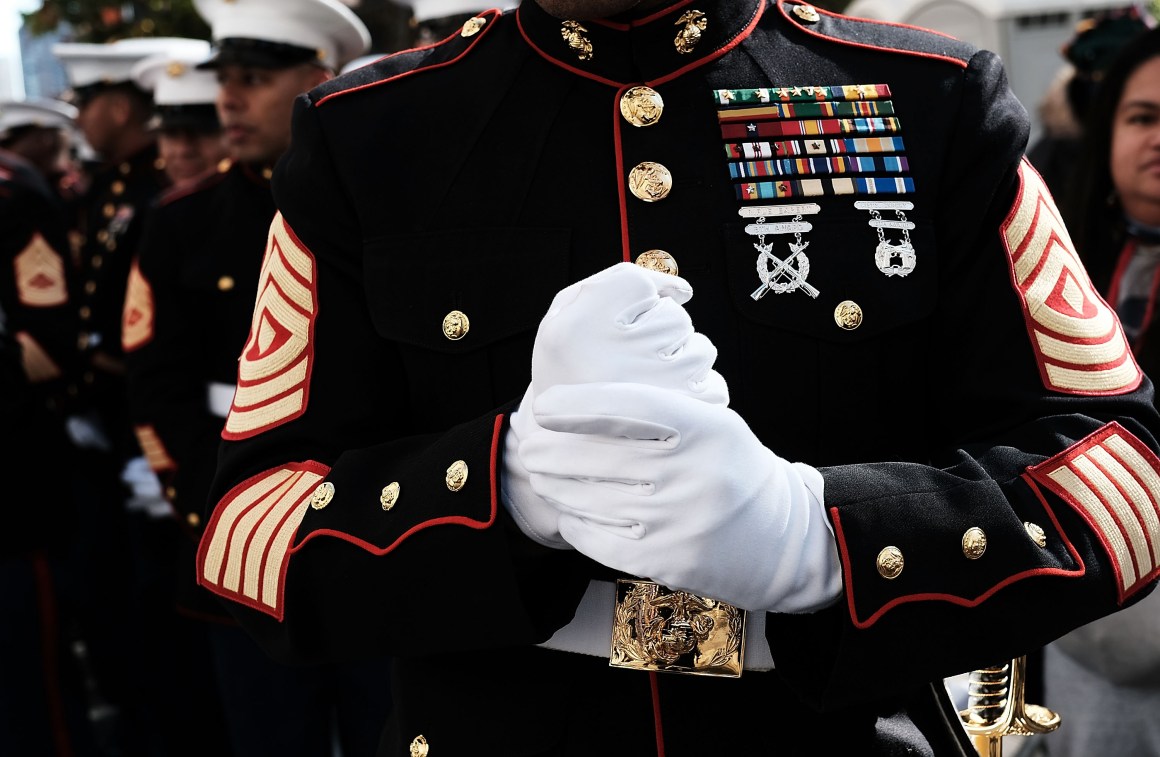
(451, 51)
(205, 183)
(876, 35)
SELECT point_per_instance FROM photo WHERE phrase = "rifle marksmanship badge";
(784, 144)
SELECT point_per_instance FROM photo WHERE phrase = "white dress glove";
(664, 486)
(625, 323)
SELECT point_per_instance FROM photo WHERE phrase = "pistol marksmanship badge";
(780, 275)
(659, 629)
(887, 252)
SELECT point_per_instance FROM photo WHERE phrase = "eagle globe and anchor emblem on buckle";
(659, 629)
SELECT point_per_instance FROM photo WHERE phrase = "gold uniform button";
(224, 165)
(124, 168)
(807, 13)
(96, 261)
(974, 543)
(159, 164)
(848, 315)
(225, 283)
(322, 495)
(118, 187)
(650, 181)
(657, 260)
(1037, 534)
(456, 325)
(194, 520)
(90, 287)
(103, 236)
(109, 210)
(472, 26)
(890, 563)
(390, 495)
(171, 493)
(267, 173)
(456, 475)
(641, 106)
(86, 312)
(419, 746)
(111, 245)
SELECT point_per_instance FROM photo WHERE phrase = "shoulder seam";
(491, 15)
(901, 51)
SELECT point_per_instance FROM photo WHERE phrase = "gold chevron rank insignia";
(1113, 481)
(40, 281)
(137, 313)
(1078, 341)
(245, 550)
(274, 369)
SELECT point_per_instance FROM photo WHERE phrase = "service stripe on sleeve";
(274, 369)
(154, 450)
(1113, 481)
(245, 550)
(1078, 341)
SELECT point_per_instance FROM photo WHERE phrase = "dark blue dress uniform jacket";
(187, 309)
(988, 388)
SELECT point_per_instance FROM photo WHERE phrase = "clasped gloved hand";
(625, 323)
(664, 486)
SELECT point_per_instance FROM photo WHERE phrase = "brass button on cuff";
(650, 182)
(641, 106)
(322, 495)
(848, 315)
(389, 496)
(456, 325)
(657, 260)
(456, 475)
(974, 543)
(890, 562)
(1037, 534)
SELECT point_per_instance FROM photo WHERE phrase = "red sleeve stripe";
(246, 548)
(1113, 481)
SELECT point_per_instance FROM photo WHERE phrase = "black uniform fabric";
(200, 255)
(487, 173)
(186, 318)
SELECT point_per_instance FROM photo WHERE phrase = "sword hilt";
(996, 708)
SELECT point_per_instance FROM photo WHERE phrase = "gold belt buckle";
(657, 628)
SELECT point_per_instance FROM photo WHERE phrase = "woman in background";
(1104, 678)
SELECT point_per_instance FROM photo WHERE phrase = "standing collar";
(651, 49)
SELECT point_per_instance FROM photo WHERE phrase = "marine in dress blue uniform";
(894, 303)
(186, 317)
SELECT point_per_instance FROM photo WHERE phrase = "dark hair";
(1092, 212)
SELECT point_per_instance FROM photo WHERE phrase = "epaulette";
(447, 52)
(872, 34)
(209, 179)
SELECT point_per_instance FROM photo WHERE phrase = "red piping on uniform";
(451, 520)
(1121, 265)
(915, 53)
(489, 14)
(618, 151)
(48, 649)
(654, 685)
(666, 10)
(561, 64)
(839, 533)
